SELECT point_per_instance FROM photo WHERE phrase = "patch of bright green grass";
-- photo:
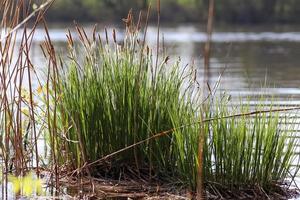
(116, 97)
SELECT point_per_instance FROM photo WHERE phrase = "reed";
(119, 100)
(18, 108)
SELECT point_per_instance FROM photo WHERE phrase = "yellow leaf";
(39, 89)
(16, 183)
(38, 186)
(25, 111)
(27, 185)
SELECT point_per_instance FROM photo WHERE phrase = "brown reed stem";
(52, 128)
(43, 6)
(207, 49)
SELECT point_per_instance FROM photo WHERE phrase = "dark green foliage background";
(229, 11)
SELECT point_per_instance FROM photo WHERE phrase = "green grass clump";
(116, 96)
(247, 150)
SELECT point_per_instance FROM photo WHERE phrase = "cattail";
(94, 32)
(70, 38)
(138, 26)
(106, 35)
(114, 36)
(166, 59)
(158, 6)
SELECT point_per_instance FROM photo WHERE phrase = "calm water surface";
(257, 59)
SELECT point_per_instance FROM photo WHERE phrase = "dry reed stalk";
(16, 66)
(51, 75)
(207, 49)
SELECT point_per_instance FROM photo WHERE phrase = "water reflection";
(253, 58)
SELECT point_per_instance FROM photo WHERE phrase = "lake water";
(257, 60)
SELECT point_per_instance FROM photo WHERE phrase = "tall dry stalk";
(19, 135)
(51, 101)
(207, 49)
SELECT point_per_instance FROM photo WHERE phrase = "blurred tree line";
(230, 11)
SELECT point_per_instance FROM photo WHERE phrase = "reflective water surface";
(254, 57)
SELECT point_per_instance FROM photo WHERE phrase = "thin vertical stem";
(158, 38)
(52, 129)
(207, 49)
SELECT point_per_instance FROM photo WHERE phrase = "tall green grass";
(247, 150)
(113, 96)
(117, 98)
